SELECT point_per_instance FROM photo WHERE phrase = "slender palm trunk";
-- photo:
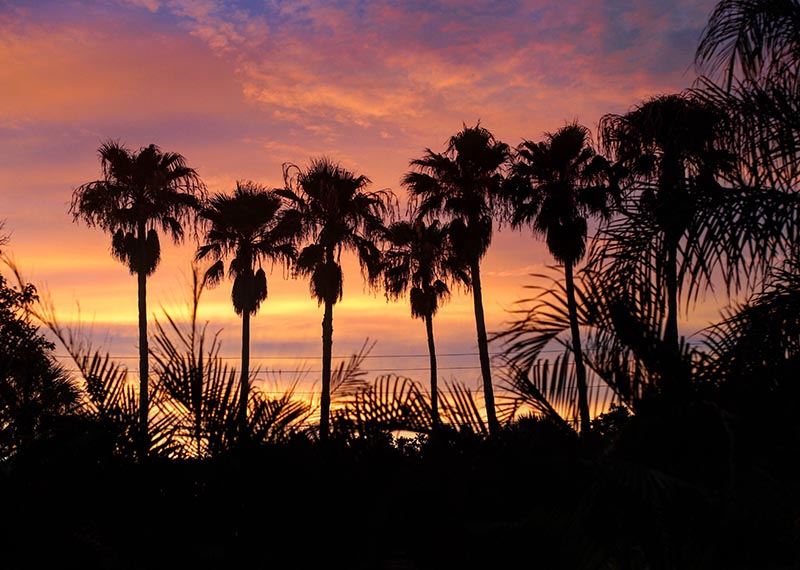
(434, 373)
(483, 347)
(671, 327)
(144, 372)
(244, 386)
(327, 347)
(197, 400)
(580, 369)
(674, 376)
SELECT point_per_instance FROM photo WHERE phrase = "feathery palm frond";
(201, 396)
(549, 389)
(756, 348)
(760, 39)
(392, 403)
(348, 378)
(277, 419)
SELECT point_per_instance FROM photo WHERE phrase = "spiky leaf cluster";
(141, 192)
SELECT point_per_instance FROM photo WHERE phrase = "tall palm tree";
(421, 260)
(678, 224)
(248, 227)
(140, 192)
(338, 213)
(464, 185)
(556, 185)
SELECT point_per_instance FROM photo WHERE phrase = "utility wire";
(342, 356)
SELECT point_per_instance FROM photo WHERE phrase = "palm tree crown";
(421, 260)
(146, 190)
(246, 227)
(337, 213)
(556, 185)
(464, 184)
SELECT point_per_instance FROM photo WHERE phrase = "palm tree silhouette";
(421, 260)
(678, 222)
(556, 185)
(464, 183)
(140, 192)
(248, 227)
(337, 213)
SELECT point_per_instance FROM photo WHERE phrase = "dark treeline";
(634, 448)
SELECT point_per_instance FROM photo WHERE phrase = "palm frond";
(389, 404)
(460, 410)
(348, 378)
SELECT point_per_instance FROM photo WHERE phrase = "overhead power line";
(343, 356)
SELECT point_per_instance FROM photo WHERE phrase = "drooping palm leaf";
(277, 419)
(201, 396)
(756, 348)
(548, 389)
(760, 39)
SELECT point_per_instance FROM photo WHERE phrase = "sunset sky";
(241, 87)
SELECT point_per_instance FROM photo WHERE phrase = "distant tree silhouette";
(555, 186)
(140, 192)
(248, 227)
(421, 260)
(34, 390)
(464, 185)
(337, 213)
